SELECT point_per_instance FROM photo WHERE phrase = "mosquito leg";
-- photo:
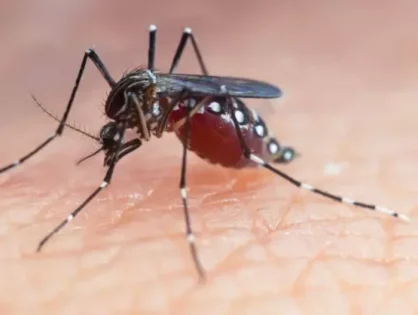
(89, 54)
(247, 154)
(287, 154)
(187, 34)
(151, 47)
(189, 233)
(174, 101)
(106, 181)
(128, 147)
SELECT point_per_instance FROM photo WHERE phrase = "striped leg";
(183, 191)
(120, 150)
(187, 34)
(247, 153)
(89, 54)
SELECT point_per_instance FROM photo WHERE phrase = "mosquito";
(205, 112)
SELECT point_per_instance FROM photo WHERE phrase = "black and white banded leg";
(288, 154)
(89, 54)
(121, 150)
(247, 154)
(183, 191)
(151, 47)
(187, 34)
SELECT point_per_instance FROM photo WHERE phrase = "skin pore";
(349, 73)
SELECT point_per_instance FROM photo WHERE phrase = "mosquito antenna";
(66, 124)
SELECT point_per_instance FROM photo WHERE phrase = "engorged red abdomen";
(213, 136)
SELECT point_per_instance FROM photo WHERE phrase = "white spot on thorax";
(156, 109)
(151, 76)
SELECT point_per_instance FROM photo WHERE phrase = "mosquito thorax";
(138, 82)
(141, 85)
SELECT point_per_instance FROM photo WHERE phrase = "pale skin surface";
(350, 76)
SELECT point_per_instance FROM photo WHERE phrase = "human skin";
(349, 72)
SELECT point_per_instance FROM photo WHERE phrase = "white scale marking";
(183, 193)
(152, 76)
(259, 129)
(273, 148)
(404, 218)
(190, 238)
(384, 210)
(347, 200)
(215, 107)
(239, 115)
(306, 186)
(156, 109)
(288, 155)
(104, 184)
(256, 159)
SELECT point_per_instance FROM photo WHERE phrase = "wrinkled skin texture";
(349, 72)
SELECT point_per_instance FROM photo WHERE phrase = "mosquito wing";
(201, 85)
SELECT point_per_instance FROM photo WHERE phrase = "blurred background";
(349, 73)
(324, 55)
